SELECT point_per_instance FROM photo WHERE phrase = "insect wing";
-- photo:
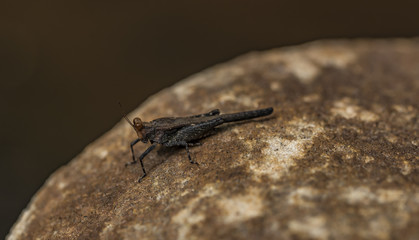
(180, 122)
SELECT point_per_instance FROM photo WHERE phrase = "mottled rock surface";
(337, 159)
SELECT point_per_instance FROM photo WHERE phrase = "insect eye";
(137, 122)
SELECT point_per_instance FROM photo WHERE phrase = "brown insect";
(183, 131)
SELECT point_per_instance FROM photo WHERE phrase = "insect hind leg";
(187, 135)
(186, 146)
(189, 155)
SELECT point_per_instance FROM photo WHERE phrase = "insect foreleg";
(134, 161)
(142, 157)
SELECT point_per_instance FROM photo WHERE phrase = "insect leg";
(187, 135)
(134, 161)
(142, 157)
(186, 145)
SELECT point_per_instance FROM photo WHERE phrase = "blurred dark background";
(65, 64)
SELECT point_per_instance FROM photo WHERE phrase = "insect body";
(183, 131)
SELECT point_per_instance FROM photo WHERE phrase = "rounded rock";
(337, 159)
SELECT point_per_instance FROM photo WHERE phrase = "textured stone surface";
(337, 159)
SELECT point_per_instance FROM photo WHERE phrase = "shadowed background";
(64, 65)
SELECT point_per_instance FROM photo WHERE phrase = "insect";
(183, 131)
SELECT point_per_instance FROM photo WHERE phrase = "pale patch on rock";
(184, 193)
(107, 229)
(347, 151)
(355, 195)
(275, 86)
(344, 109)
(347, 109)
(304, 69)
(61, 185)
(389, 195)
(368, 159)
(325, 159)
(311, 98)
(184, 181)
(186, 219)
(188, 216)
(232, 97)
(242, 207)
(391, 138)
(100, 152)
(406, 168)
(307, 64)
(336, 56)
(215, 76)
(368, 116)
(160, 196)
(280, 153)
(237, 132)
(312, 227)
(405, 113)
(25, 219)
(302, 196)
(139, 231)
(364, 195)
(180, 184)
(416, 198)
(379, 228)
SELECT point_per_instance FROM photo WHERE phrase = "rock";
(338, 159)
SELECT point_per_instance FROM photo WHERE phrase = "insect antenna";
(124, 114)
